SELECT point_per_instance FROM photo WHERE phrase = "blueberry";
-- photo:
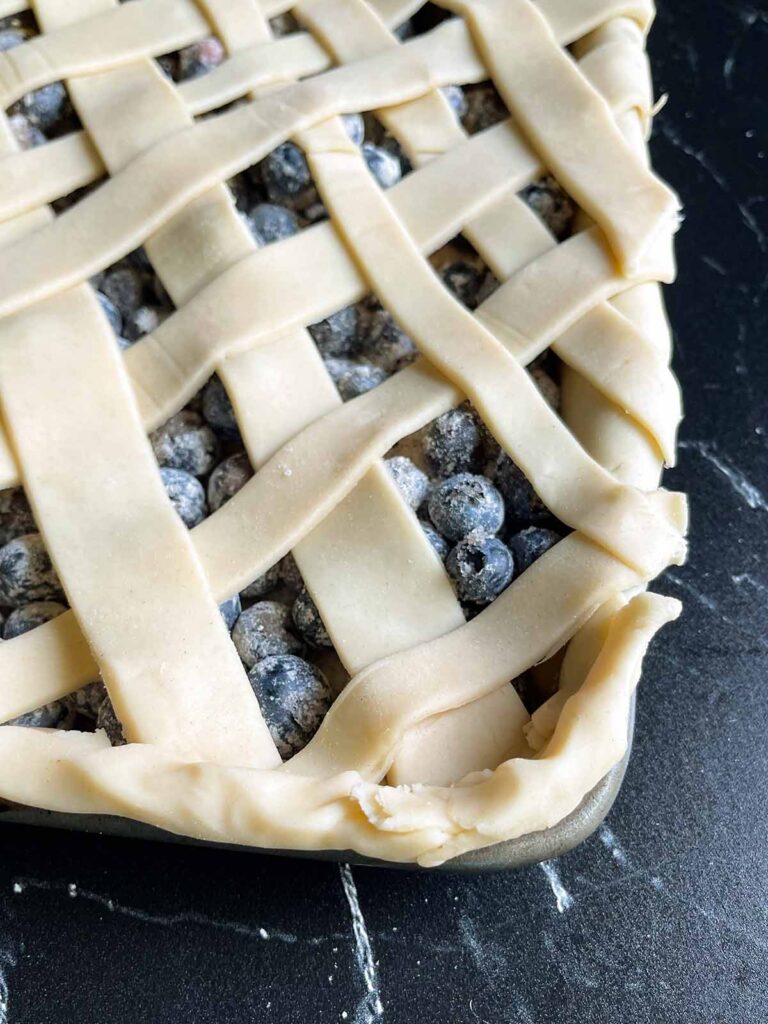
(270, 223)
(294, 697)
(187, 495)
(488, 286)
(286, 176)
(114, 315)
(88, 699)
(457, 100)
(10, 38)
(551, 203)
(290, 575)
(355, 127)
(283, 24)
(185, 442)
(384, 166)
(453, 442)
(26, 573)
(56, 715)
(264, 630)
(227, 479)
(25, 133)
(124, 287)
(262, 584)
(530, 544)
(246, 192)
(218, 410)
(338, 336)
(307, 620)
(412, 482)
(547, 387)
(169, 65)
(230, 611)
(314, 212)
(200, 57)
(386, 346)
(464, 503)
(28, 616)
(464, 280)
(338, 367)
(138, 258)
(481, 568)
(438, 542)
(45, 106)
(360, 379)
(484, 108)
(522, 503)
(142, 321)
(16, 517)
(390, 145)
(110, 723)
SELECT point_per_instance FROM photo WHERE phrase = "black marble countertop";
(662, 916)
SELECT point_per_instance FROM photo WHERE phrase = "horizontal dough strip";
(103, 42)
(78, 772)
(170, 365)
(162, 181)
(558, 110)
(664, 432)
(162, 371)
(166, 365)
(149, 28)
(47, 172)
(55, 169)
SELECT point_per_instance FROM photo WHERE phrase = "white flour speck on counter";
(563, 898)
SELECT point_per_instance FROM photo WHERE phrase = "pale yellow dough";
(428, 752)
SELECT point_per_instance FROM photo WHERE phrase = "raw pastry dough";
(393, 770)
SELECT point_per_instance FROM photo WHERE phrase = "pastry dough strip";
(559, 111)
(426, 127)
(56, 168)
(120, 35)
(67, 340)
(223, 530)
(663, 430)
(256, 527)
(386, 794)
(80, 772)
(210, 235)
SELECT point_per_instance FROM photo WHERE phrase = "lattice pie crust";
(386, 774)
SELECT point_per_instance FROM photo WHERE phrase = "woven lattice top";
(429, 703)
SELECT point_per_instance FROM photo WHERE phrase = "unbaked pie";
(348, 322)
